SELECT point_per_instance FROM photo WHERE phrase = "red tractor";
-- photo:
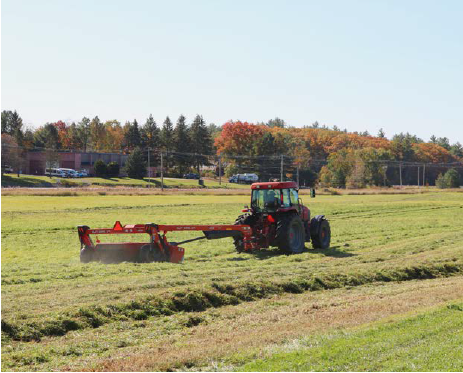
(277, 217)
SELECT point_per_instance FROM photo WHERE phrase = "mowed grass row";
(373, 237)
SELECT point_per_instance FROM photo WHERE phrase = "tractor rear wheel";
(290, 234)
(245, 219)
(321, 235)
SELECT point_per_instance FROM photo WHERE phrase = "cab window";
(286, 198)
(294, 197)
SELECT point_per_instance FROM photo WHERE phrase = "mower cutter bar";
(158, 249)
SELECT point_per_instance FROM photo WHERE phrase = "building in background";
(37, 161)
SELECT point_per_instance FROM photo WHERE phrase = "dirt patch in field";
(251, 328)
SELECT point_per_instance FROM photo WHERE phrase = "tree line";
(332, 156)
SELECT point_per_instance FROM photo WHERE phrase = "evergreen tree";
(132, 136)
(201, 142)
(167, 135)
(47, 137)
(150, 139)
(277, 122)
(150, 134)
(136, 165)
(381, 133)
(181, 144)
(12, 125)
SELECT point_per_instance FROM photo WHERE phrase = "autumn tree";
(97, 134)
(83, 134)
(114, 136)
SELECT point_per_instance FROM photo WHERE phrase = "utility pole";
(149, 168)
(220, 172)
(298, 176)
(162, 172)
(400, 173)
(281, 168)
(424, 173)
(418, 176)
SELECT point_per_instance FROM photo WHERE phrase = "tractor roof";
(275, 185)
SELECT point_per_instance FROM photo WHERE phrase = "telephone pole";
(281, 168)
(220, 172)
(162, 172)
(400, 173)
(424, 173)
(149, 169)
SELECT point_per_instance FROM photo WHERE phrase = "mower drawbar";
(158, 249)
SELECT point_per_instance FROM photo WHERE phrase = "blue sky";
(360, 65)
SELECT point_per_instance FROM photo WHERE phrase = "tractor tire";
(86, 255)
(290, 234)
(245, 219)
(320, 234)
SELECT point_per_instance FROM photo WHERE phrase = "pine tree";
(181, 144)
(132, 136)
(150, 134)
(136, 165)
(201, 142)
(167, 133)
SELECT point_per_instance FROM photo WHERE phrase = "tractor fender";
(315, 223)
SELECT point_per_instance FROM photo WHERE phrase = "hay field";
(395, 261)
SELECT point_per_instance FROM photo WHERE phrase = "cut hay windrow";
(214, 296)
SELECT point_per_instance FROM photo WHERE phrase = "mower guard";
(158, 249)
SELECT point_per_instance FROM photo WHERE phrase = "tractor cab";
(275, 197)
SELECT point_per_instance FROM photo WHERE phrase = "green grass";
(27, 181)
(76, 312)
(11, 180)
(428, 342)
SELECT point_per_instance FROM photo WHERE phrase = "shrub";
(136, 166)
(113, 169)
(452, 178)
(100, 167)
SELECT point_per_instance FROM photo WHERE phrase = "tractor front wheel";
(290, 234)
(245, 219)
(321, 235)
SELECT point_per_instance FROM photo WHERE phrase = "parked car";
(55, 172)
(70, 172)
(244, 178)
(7, 169)
(83, 173)
(191, 176)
